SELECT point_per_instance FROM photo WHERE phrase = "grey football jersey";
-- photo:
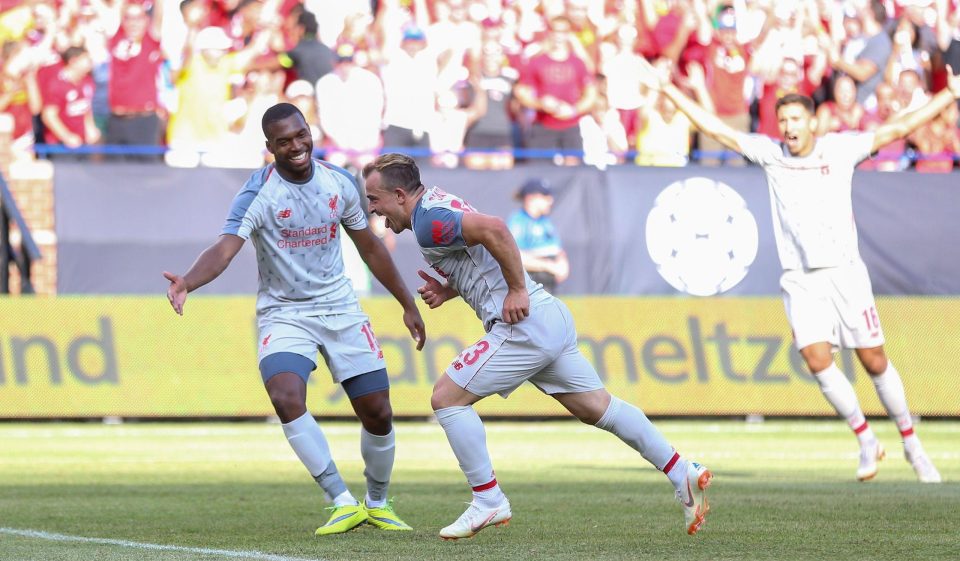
(295, 229)
(472, 271)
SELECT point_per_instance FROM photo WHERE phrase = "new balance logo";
(285, 213)
(442, 232)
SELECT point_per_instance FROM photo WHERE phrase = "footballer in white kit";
(530, 336)
(826, 288)
(295, 213)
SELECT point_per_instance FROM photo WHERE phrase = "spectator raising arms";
(557, 84)
(135, 60)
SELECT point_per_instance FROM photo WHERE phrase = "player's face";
(387, 203)
(291, 144)
(797, 126)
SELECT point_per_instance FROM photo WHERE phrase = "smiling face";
(387, 202)
(845, 92)
(290, 142)
(797, 126)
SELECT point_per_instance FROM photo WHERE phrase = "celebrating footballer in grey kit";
(292, 211)
(530, 336)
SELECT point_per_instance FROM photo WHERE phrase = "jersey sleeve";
(354, 216)
(440, 227)
(245, 215)
(758, 148)
(856, 145)
(354, 213)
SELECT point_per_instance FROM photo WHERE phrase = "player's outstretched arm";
(492, 233)
(704, 120)
(208, 266)
(906, 124)
(378, 260)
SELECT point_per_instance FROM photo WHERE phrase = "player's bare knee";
(875, 363)
(288, 404)
(438, 400)
(378, 420)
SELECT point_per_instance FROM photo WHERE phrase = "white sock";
(378, 453)
(890, 390)
(308, 442)
(633, 427)
(838, 391)
(467, 438)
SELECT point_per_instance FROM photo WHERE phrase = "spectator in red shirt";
(842, 113)
(68, 102)
(135, 60)
(790, 79)
(557, 84)
(891, 157)
(726, 66)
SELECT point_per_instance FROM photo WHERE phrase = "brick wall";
(31, 182)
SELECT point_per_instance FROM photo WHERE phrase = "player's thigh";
(286, 345)
(349, 345)
(812, 315)
(852, 295)
(500, 362)
(570, 371)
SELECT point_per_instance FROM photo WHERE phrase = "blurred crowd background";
(482, 84)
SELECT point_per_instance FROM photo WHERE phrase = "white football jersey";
(472, 271)
(811, 197)
(295, 229)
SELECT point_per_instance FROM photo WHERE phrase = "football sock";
(838, 391)
(633, 427)
(890, 390)
(308, 442)
(676, 470)
(467, 438)
(378, 454)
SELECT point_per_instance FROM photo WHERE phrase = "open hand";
(176, 292)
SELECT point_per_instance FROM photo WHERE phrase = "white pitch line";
(150, 546)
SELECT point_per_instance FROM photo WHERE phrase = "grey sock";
(331, 482)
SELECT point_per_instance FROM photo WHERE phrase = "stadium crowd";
(475, 83)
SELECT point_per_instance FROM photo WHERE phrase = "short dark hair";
(396, 170)
(793, 98)
(72, 53)
(278, 112)
(308, 20)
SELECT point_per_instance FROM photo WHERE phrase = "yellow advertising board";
(132, 356)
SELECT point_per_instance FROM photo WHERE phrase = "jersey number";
(372, 339)
(870, 316)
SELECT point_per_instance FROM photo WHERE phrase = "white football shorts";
(833, 305)
(542, 349)
(345, 340)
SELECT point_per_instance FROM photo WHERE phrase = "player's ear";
(269, 148)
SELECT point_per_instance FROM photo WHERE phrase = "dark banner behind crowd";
(627, 230)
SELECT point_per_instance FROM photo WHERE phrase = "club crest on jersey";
(442, 232)
(283, 214)
(334, 200)
(824, 170)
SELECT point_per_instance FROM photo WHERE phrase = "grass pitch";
(163, 492)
